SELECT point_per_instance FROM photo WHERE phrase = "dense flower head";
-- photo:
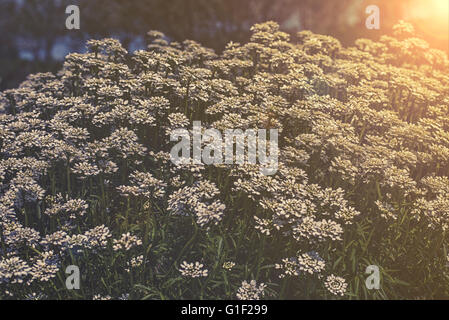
(336, 285)
(251, 291)
(126, 242)
(193, 270)
(228, 265)
(13, 270)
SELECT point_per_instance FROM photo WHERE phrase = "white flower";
(336, 285)
(250, 291)
(127, 241)
(228, 265)
(193, 270)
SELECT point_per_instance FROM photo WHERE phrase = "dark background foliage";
(33, 36)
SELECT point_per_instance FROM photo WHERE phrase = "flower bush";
(86, 177)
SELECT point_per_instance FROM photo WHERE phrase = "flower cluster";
(336, 285)
(251, 291)
(199, 200)
(193, 270)
(126, 242)
(228, 265)
(85, 170)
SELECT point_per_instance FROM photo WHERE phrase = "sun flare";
(432, 17)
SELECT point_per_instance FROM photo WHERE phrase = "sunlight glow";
(432, 17)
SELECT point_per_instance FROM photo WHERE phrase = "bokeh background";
(33, 36)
